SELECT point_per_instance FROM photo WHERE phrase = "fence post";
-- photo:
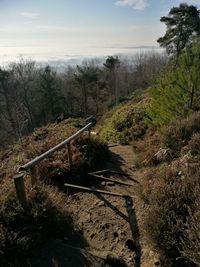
(20, 189)
(69, 154)
(33, 173)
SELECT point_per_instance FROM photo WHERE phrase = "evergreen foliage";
(176, 92)
(182, 23)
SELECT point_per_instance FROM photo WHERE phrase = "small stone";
(110, 183)
(101, 203)
(103, 183)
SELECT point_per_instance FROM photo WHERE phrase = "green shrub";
(176, 92)
(125, 123)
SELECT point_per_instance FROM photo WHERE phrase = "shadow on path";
(134, 230)
(131, 219)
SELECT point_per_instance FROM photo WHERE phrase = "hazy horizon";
(71, 30)
(74, 56)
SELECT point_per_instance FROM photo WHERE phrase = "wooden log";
(20, 189)
(69, 155)
(111, 171)
(33, 173)
(94, 190)
(109, 179)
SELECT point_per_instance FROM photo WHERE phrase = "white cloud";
(29, 15)
(135, 4)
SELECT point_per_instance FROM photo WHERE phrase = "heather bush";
(22, 230)
(194, 144)
(191, 240)
(92, 150)
(173, 228)
(178, 133)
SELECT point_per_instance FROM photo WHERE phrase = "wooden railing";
(31, 166)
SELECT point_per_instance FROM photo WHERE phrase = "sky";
(59, 29)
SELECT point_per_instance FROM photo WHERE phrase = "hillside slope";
(21, 231)
(166, 163)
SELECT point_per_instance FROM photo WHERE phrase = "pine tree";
(176, 93)
(183, 23)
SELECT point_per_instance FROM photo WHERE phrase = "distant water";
(62, 57)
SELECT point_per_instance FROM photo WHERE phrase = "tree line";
(32, 96)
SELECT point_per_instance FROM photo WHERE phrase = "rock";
(110, 183)
(103, 183)
(101, 203)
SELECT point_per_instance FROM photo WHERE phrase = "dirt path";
(109, 223)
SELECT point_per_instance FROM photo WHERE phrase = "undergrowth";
(173, 222)
(47, 217)
(174, 227)
(124, 123)
(21, 231)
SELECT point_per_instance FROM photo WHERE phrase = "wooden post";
(20, 189)
(33, 173)
(69, 154)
